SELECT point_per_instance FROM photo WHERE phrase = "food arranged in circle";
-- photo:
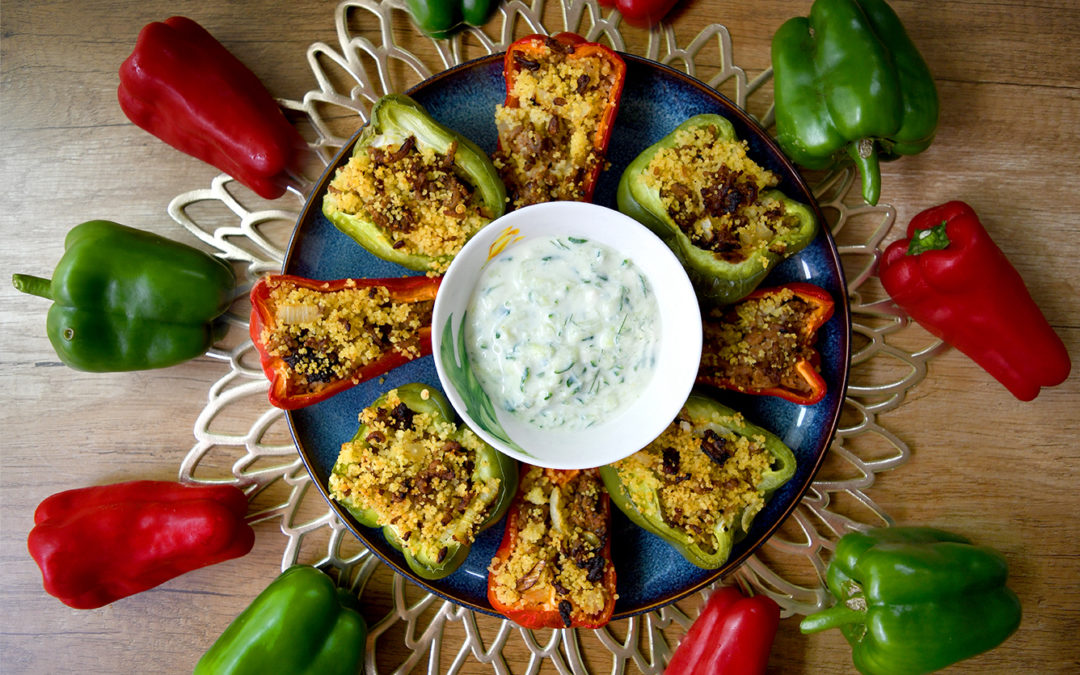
(705, 175)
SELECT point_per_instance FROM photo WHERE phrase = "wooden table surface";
(1003, 472)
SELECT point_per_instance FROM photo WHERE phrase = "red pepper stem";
(864, 153)
(28, 283)
(834, 617)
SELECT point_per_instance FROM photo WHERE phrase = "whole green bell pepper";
(394, 119)
(442, 18)
(916, 599)
(850, 84)
(715, 428)
(717, 275)
(302, 623)
(488, 463)
(126, 299)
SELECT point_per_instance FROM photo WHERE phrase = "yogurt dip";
(562, 332)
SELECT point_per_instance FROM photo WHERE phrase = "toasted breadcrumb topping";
(698, 478)
(415, 197)
(712, 191)
(558, 559)
(418, 475)
(325, 336)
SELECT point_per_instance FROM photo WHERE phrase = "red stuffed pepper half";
(562, 95)
(764, 344)
(319, 338)
(554, 568)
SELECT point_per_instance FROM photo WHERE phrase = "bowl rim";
(638, 422)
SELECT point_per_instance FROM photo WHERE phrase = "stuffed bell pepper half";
(764, 343)
(414, 191)
(319, 338)
(701, 482)
(553, 568)
(562, 95)
(431, 484)
(715, 207)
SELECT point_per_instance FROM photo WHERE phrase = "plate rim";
(843, 313)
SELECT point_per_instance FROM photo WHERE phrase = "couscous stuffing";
(548, 141)
(415, 197)
(700, 479)
(419, 475)
(756, 343)
(326, 336)
(558, 559)
(713, 192)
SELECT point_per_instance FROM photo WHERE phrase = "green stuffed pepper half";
(716, 208)
(701, 482)
(413, 191)
(430, 484)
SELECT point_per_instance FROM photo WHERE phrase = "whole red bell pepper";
(733, 634)
(186, 88)
(289, 389)
(804, 384)
(641, 13)
(950, 277)
(95, 545)
(529, 53)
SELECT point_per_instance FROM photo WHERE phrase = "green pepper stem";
(864, 153)
(834, 617)
(28, 283)
(934, 238)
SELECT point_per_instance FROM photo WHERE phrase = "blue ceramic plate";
(655, 100)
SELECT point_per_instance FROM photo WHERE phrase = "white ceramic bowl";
(640, 420)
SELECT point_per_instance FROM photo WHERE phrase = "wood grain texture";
(1003, 472)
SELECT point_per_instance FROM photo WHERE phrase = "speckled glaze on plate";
(655, 100)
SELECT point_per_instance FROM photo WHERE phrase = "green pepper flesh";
(398, 115)
(301, 623)
(850, 84)
(442, 18)
(490, 463)
(126, 299)
(915, 599)
(703, 412)
(714, 278)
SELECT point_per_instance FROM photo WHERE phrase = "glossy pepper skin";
(950, 276)
(641, 13)
(915, 599)
(533, 48)
(95, 545)
(184, 87)
(421, 398)
(442, 18)
(398, 116)
(702, 412)
(301, 624)
(715, 279)
(537, 613)
(285, 391)
(850, 85)
(823, 307)
(733, 634)
(126, 299)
